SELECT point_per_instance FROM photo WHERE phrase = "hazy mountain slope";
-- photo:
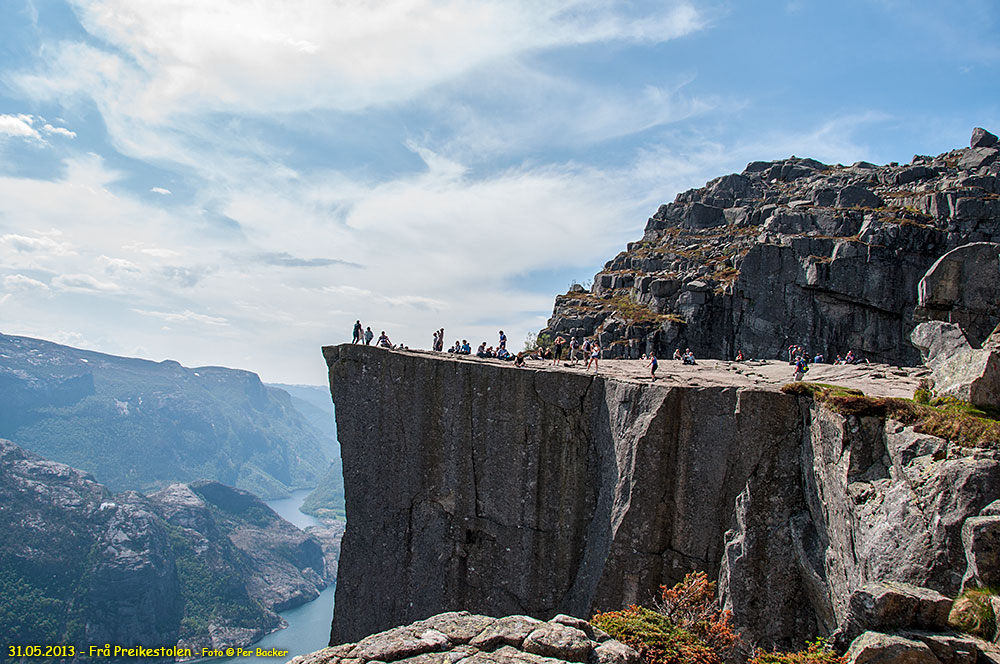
(137, 424)
(314, 402)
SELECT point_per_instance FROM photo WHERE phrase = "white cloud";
(183, 317)
(40, 243)
(161, 191)
(85, 283)
(299, 54)
(115, 265)
(19, 282)
(17, 125)
(59, 131)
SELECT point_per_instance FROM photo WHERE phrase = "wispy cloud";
(185, 317)
(160, 190)
(20, 282)
(85, 283)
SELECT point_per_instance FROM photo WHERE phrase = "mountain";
(327, 499)
(137, 424)
(793, 251)
(196, 565)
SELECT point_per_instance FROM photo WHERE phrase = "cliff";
(473, 485)
(794, 251)
(194, 565)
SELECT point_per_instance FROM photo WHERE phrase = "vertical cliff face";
(477, 486)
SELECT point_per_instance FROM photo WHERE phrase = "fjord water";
(308, 625)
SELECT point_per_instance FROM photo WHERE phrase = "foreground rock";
(198, 565)
(474, 485)
(791, 251)
(464, 638)
(958, 369)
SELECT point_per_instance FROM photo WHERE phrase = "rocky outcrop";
(958, 369)
(481, 487)
(791, 251)
(464, 638)
(193, 565)
(963, 287)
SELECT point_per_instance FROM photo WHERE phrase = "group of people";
(591, 350)
(687, 357)
(365, 335)
(362, 335)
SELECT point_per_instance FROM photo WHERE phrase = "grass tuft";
(952, 419)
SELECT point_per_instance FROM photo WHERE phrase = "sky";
(236, 182)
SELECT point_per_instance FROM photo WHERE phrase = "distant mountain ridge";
(138, 424)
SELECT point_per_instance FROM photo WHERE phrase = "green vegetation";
(211, 593)
(686, 626)
(29, 613)
(633, 312)
(533, 341)
(327, 500)
(818, 651)
(957, 421)
(973, 613)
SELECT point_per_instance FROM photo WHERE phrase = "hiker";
(739, 356)
(466, 348)
(801, 367)
(652, 367)
(849, 358)
(481, 351)
(595, 353)
(369, 335)
(688, 357)
(819, 359)
(503, 340)
(677, 353)
(519, 360)
(383, 340)
(574, 348)
(557, 347)
(356, 339)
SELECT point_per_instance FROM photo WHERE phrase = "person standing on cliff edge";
(357, 332)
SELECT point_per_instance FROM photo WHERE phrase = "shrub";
(921, 395)
(818, 651)
(687, 626)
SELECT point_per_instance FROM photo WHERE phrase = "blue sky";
(235, 183)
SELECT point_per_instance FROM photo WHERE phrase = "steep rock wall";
(477, 486)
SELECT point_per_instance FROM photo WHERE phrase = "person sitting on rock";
(481, 351)
(849, 358)
(519, 359)
(383, 340)
(739, 356)
(677, 354)
(819, 359)
(688, 357)
(839, 360)
(466, 348)
(503, 354)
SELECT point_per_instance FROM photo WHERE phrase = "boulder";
(982, 138)
(981, 539)
(857, 196)
(558, 641)
(876, 648)
(963, 287)
(959, 370)
(449, 638)
(893, 606)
